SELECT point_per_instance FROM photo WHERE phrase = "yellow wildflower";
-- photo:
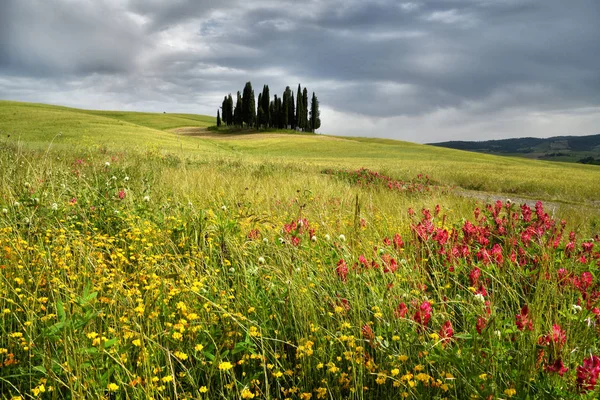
(225, 366)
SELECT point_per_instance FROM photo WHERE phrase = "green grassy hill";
(139, 260)
(39, 125)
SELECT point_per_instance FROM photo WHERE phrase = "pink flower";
(587, 374)
(558, 367)
(401, 310)
(480, 325)
(522, 319)
(423, 314)
(389, 264)
(121, 194)
(446, 331)
(367, 333)
(398, 243)
(342, 270)
(557, 337)
(474, 276)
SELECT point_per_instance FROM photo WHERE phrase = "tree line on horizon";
(279, 113)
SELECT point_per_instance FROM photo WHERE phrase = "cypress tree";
(315, 121)
(285, 110)
(305, 109)
(224, 110)
(259, 112)
(229, 110)
(266, 102)
(291, 112)
(271, 113)
(237, 113)
(218, 119)
(251, 109)
(248, 110)
(299, 112)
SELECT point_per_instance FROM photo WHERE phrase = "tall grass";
(150, 275)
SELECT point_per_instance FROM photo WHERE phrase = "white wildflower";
(342, 238)
(146, 199)
(480, 298)
(327, 237)
(313, 238)
(261, 260)
(54, 206)
(224, 208)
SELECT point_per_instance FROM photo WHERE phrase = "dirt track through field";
(204, 133)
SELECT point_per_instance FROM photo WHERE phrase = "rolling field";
(136, 262)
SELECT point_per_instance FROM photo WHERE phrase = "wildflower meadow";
(141, 274)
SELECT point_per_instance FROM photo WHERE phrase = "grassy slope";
(39, 124)
(169, 249)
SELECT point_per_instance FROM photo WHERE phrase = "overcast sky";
(421, 71)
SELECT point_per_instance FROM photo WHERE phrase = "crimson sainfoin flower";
(342, 270)
(446, 331)
(523, 320)
(587, 374)
(401, 310)
(423, 314)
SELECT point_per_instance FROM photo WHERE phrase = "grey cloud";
(379, 60)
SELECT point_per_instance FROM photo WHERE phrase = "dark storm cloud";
(384, 61)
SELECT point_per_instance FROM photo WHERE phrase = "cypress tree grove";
(218, 118)
(315, 121)
(280, 113)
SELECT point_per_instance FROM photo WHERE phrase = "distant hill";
(581, 149)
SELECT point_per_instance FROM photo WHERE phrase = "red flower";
(401, 310)
(342, 270)
(367, 333)
(557, 337)
(446, 331)
(558, 366)
(121, 194)
(398, 243)
(253, 234)
(587, 374)
(522, 320)
(423, 314)
(480, 325)
(474, 276)
(389, 264)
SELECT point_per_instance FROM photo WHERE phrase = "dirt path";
(549, 205)
(204, 133)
